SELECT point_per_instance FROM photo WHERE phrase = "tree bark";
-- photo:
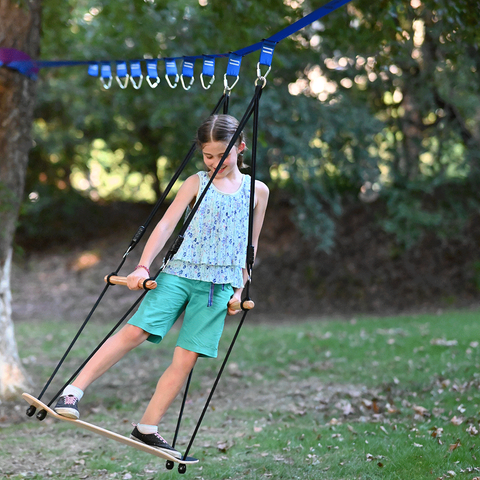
(19, 29)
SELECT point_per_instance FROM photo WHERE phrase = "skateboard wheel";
(182, 468)
(41, 414)
(31, 411)
(169, 465)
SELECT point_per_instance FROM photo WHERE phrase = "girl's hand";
(136, 277)
(236, 297)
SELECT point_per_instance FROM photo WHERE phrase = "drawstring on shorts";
(212, 291)
(210, 296)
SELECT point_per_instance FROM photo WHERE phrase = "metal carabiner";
(155, 83)
(261, 79)
(106, 86)
(189, 86)
(212, 79)
(225, 83)
(259, 72)
(170, 83)
(123, 85)
(136, 85)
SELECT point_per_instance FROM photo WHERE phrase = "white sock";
(75, 391)
(147, 429)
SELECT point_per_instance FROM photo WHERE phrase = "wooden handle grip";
(151, 284)
(247, 304)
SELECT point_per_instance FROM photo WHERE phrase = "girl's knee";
(134, 334)
(184, 359)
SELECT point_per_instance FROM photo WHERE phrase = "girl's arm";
(261, 197)
(164, 229)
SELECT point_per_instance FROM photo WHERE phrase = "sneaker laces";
(160, 437)
(156, 434)
(70, 400)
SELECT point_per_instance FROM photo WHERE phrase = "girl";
(203, 280)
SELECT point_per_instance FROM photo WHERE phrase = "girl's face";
(213, 153)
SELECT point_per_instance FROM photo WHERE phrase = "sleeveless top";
(215, 243)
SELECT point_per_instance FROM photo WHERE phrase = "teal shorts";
(205, 307)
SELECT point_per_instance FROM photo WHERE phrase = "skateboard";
(44, 409)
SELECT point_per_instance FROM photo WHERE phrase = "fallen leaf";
(436, 432)
(454, 446)
(223, 446)
(443, 342)
(456, 420)
(420, 410)
(472, 430)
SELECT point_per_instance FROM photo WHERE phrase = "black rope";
(249, 260)
(97, 348)
(180, 415)
(215, 384)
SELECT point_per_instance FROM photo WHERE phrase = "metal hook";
(106, 86)
(225, 83)
(212, 79)
(192, 79)
(259, 72)
(125, 83)
(136, 86)
(155, 83)
(170, 83)
(261, 79)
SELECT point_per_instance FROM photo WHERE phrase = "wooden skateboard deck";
(107, 433)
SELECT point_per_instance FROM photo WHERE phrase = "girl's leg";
(109, 354)
(169, 385)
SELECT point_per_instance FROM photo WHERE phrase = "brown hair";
(220, 128)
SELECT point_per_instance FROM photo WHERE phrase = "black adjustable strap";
(250, 258)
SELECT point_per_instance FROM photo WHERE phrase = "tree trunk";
(19, 29)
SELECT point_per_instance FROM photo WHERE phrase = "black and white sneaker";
(154, 440)
(67, 406)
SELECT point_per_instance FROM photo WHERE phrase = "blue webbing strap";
(152, 73)
(187, 71)
(171, 71)
(29, 67)
(122, 72)
(93, 70)
(136, 75)
(208, 66)
(233, 70)
(208, 70)
(106, 75)
(266, 53)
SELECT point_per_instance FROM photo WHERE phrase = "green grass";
(362, 399)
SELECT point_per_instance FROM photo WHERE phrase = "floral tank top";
(215, 243)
